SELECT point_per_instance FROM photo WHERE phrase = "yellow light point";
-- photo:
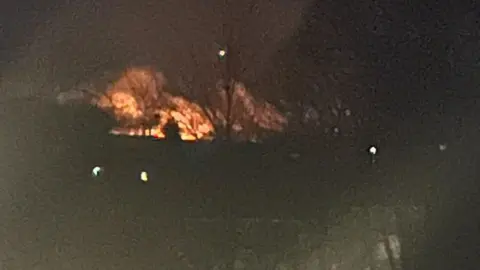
(144, 176)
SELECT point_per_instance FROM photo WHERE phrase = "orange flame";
(139, 95)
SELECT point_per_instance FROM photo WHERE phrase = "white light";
(144, 176)
(442, 147)
(222, 53)
(96, 171)
(372, 150)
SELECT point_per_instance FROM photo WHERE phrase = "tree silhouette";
(172, 131)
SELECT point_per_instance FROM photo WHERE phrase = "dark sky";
(83, 39)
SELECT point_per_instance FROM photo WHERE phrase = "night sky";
(81, 40)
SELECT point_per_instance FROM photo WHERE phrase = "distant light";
(97, 171)
(442, 147)
(222, 53)
(372, 150)
(144, 176)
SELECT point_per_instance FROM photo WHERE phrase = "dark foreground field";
(209, 205)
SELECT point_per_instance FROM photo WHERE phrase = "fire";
(138, 96)
(193, 124)
(125, 105)
(143, 107)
